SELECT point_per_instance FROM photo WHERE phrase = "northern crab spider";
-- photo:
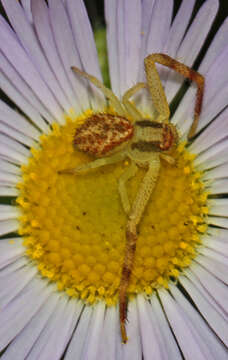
(112, 138)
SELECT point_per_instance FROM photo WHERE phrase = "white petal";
(214, 156)
(58, 330)
(12, 285)
(214, 319)
(219, 186)
(211, 288)
(21, 310)
(10, 250)
(218, 207)
(75, 348)
(9, 212)
(13, 266)
(8, 226)
(23, 343)
(9, 179)
(110, 329)
(217, 173)
(8, 191)
(14, 145)
(216, 268)
(208, 342)
(218, 221)
(188, 338)
(94, 336)
(133, 348)
(151, 337)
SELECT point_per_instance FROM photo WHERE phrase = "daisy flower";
(62, 236)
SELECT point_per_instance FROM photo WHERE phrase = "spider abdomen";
(101, 133)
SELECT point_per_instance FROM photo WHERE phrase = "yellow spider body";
(112, 138)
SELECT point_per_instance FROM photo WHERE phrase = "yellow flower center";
(74, 226)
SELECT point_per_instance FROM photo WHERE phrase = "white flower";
(37, 320)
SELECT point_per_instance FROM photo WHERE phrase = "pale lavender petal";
(45, 35)
(178, 28)
(14, 266)
(10, 250)
(159, 26)
(112, 44)
(20, 60)
(23, 343)
(83, 36)
(11, 143)
(67, 51)
(20, 311)
(33, 107)
(213, 317)
(76, 345)
(16, 135)
(205, 337)
(192, 43)
(17, 121)
(11, 154)
(9, 167)
(129, 24)
(27, 7)
(25, 33)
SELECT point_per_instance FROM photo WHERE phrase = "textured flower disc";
(74, 226)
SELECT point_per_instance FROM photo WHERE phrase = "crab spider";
(112, 138)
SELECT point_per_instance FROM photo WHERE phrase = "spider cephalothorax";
(112, 138)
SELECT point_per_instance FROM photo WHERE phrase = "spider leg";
(130, 107)
(114, 101)
(182, 69)
(128, 173)
(168, 158)
(135, 216)
(95, 164)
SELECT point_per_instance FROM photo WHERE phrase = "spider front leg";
(130, 107)
(95, 164)
(113, 99)
(138, 207)
(156, 88)
(128, 173)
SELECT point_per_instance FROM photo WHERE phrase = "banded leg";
(114, 101)
(128, 173)
(135, 216)
(131, 108)
(182, 69)
(95, 164)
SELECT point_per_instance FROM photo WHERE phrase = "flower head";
(66, 268)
